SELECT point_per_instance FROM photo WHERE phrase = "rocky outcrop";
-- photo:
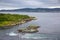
(29, 29)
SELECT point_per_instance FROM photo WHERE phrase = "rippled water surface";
(49, 28)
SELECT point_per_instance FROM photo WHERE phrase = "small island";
(9, 20)
(29, 29)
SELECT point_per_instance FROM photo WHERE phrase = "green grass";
(6, 19)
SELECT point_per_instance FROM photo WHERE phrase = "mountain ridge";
(33, 10)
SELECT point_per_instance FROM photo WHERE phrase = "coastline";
(17, 23)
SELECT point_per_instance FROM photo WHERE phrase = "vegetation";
(9, 19)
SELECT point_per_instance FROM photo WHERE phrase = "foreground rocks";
(29, 29)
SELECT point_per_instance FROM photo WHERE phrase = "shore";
(9, 24)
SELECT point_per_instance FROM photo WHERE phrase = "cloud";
(28, 3)
(54, 7)
(33, 3)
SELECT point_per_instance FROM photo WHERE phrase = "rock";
(33, 27)
(29, 29)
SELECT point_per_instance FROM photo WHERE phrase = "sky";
(14, 4)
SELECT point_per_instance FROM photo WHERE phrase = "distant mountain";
(33, 10)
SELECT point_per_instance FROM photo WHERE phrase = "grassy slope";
(7, 19)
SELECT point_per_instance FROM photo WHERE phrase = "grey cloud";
(29, 3)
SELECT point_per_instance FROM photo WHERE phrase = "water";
(49, 28)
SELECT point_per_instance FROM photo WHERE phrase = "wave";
(33, 36)
(12, 34)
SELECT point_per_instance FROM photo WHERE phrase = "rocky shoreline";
(29, 29)
(17, 23)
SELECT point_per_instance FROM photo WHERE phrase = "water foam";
(12, 34)
(32, 36)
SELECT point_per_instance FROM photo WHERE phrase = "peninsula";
(8, 20)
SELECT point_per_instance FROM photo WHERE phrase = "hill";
(33, 10)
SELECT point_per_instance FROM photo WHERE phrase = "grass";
(8, 19)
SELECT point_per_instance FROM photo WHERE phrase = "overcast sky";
(11, 4)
